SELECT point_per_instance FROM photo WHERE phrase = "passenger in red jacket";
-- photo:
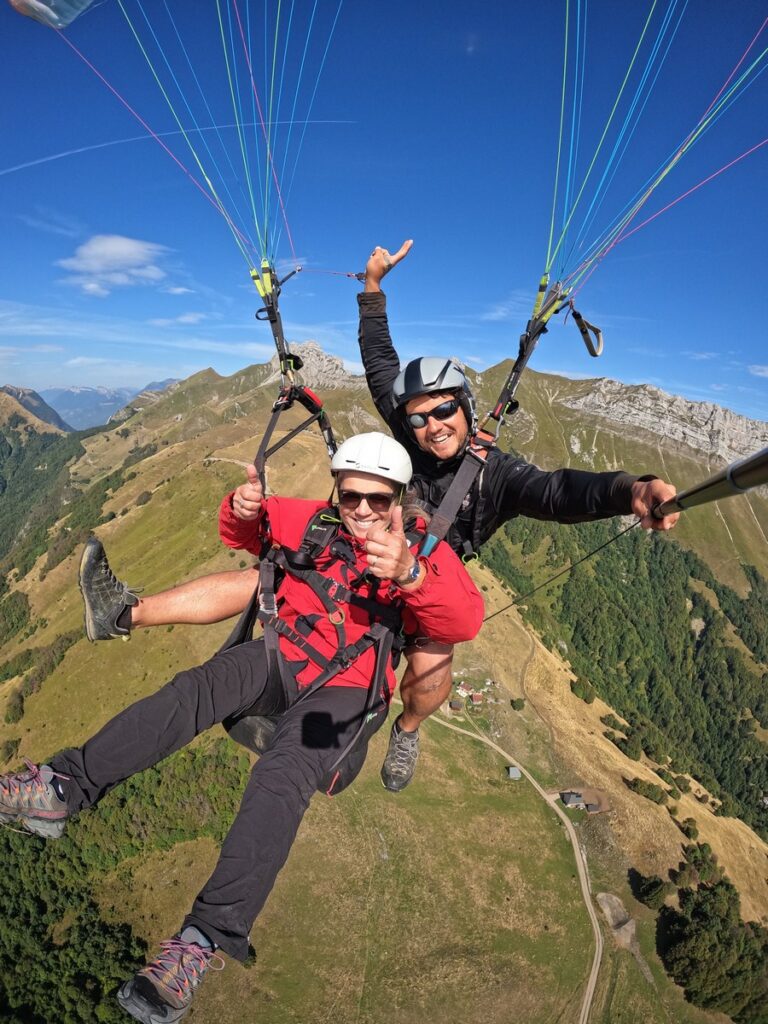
(337, 583)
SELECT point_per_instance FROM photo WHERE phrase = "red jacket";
(447, 606)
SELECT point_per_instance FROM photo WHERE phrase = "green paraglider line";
(240, 238)
(177, 119)
(602, 138)
(243, 151)
(583, 277)
(264, 130)
(560, 134)
(599, 249)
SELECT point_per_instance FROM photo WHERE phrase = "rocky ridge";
(37, 406)
(320, 370)
(702, 426)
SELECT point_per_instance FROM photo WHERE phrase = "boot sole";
(36, 826)
(144, 1011)
(90, 625)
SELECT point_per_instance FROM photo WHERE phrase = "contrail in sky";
(139, 138)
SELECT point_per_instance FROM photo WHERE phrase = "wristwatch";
(413, 574)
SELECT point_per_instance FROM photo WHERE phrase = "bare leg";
(201, 601)
(426, 683)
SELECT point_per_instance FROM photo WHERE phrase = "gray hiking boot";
(162, 992)
(28, 799)
(400, 762)
(105, 597)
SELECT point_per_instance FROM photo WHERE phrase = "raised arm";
(380, 360)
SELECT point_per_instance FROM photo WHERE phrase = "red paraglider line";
(264, 129)
(669, 206)
(242, 238)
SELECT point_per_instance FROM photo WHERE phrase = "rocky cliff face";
(320, 371)
(702, 426)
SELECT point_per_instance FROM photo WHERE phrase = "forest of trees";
(720, 962)
(692, 702)
(60, 960)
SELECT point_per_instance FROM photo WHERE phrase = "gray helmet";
(433, 373)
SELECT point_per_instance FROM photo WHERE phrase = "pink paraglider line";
(669, 206)
(264, 130)
(134, 113)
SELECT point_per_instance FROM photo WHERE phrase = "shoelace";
(110, 582)
(13, 784)
(181, 964)
(404, 755)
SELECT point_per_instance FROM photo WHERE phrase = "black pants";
(309, 737)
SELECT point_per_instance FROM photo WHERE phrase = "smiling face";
(358, 521)
(442, 438)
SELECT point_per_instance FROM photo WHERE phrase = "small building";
(476, 698)
(463, 691)
(456, 705)
(575, 800)
(513, 772)
(592, 808)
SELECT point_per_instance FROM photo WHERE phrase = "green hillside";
(457, 899)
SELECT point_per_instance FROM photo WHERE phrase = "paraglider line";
(264, 129)
(242, 240)
(568, 568)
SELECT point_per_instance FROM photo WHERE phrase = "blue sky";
(436, 121)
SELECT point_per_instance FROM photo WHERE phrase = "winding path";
(578, 853)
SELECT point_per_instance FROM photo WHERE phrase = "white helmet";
(375, 453)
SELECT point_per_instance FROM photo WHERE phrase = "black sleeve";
(517, 488)
(380, 360)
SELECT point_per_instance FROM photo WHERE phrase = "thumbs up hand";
(247, 499)
(387, 552)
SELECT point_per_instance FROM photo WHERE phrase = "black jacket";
(508, 486)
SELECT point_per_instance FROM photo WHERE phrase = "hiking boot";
(162, 992)
(400, 762)
(105, 597)
(29, 799)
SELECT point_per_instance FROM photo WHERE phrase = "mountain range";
(77, 408)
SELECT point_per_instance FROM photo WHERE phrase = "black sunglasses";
(444, 411)
(378, 501)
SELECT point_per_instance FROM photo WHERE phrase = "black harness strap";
(483, 440)
(269, 287)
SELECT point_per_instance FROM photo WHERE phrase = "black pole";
(734, 479)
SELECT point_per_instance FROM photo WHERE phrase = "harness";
(321, 540)
(269, 286)
(483, 440)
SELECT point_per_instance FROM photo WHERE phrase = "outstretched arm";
(573, 495)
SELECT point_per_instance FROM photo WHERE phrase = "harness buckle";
(337, 617)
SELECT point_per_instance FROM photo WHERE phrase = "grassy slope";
(462, 872)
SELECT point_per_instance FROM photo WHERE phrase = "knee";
(429, 668)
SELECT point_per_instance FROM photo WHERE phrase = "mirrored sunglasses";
(378, 501)
(444, 411)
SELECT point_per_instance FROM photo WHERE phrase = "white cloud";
(758, 371)
(86, 361)
(700, 356)
(177, 290)
(106, 262)
(185, 318)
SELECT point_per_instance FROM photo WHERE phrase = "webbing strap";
(285, 400)
(469, 468)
